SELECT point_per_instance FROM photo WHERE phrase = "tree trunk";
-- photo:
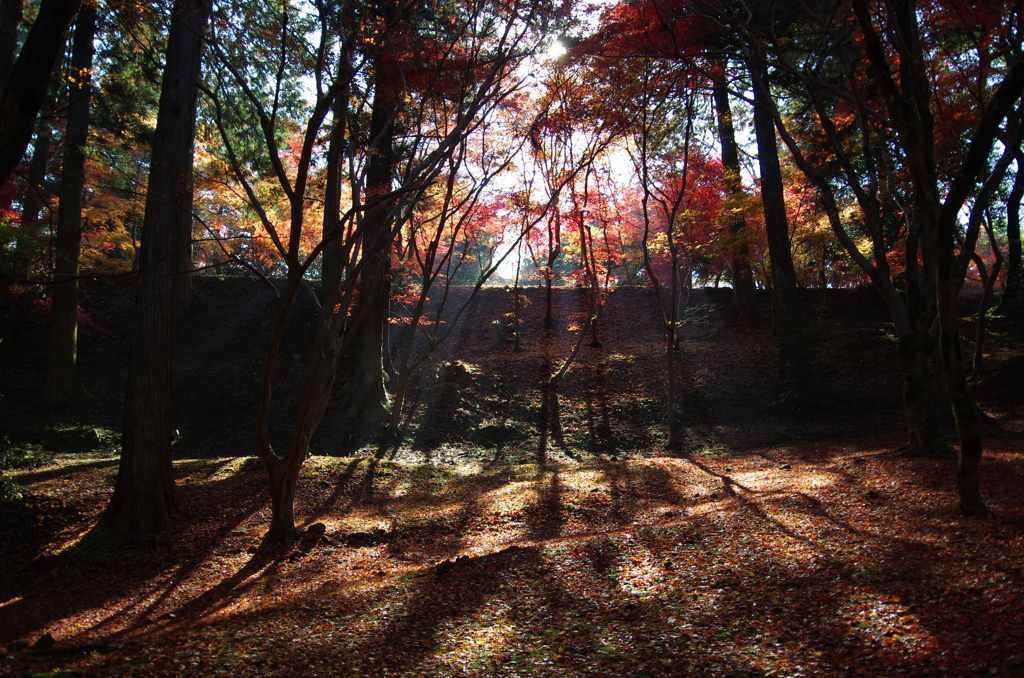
(739, 260)
(10, 20)
(284, 478)
(330, 272)
(364, 398)
(968, 420)
(30, 74)
(36, 194)
(61, 372)
(923, 437)
(554, 249)
(988, 279)
(675, 433)
(793, 368)
(144, 496)
(1013, 294)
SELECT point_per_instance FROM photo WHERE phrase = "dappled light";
(597, 338)
(651, 565)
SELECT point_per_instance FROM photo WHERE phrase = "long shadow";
(546, 605)
(745, 494)
(32, 477)
(627, 480)
(79, 580)
(598, 419)
(896, 554)
(256, 572)
(329, 502)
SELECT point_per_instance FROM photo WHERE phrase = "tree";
(144, 496)
(1013, 289)
(61, 374)
(468, 62)
(793, 367)
(10, 21)
(739, 264)
(940, 199)
(880, 132)
(364, 398)
(26, 86)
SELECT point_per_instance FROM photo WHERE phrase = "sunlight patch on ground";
(481, 639)
(881, 620)
(653, 554)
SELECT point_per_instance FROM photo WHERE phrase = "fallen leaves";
(787, 575)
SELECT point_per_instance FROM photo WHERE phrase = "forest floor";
(504, 537)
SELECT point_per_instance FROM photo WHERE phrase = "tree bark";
(26, 87)
(364, 398)
(10, 20)
(37, 193)
(1013, 294)
(739, 252)
(61, 371)
(793, 367)
(284, 478)
(331, 263)
(144, 495)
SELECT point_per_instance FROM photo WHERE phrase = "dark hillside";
(610, 404)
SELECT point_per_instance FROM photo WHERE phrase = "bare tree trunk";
(144, 495)
(988, 281)
(793, 368)
(61, 372)
(1013, 290)
(37, 193)
(968, 419)
(554, 249)
(30, 74)
(284, 478)
(739, 252)
(331, 263)
(10, 20)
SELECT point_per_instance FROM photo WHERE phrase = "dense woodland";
(399, 180)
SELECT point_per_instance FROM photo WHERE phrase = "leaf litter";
(663, 566)
(769, 546)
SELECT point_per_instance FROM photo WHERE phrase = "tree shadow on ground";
(49, 588)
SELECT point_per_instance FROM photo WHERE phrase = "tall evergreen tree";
(61, 373)
(144, 496)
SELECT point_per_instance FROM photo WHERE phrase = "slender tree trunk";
(144, 495)
(10, 20)
(554, 249)
(329, 270)
(284, 478)
(30, 74)
(61, 372)
(923, 437)
(37, 193)
(916, 351)
(793, 368)
(739, 260)
(968, 420)
(1013, 290)
(988, 279)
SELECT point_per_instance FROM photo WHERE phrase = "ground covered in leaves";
(501, 538)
